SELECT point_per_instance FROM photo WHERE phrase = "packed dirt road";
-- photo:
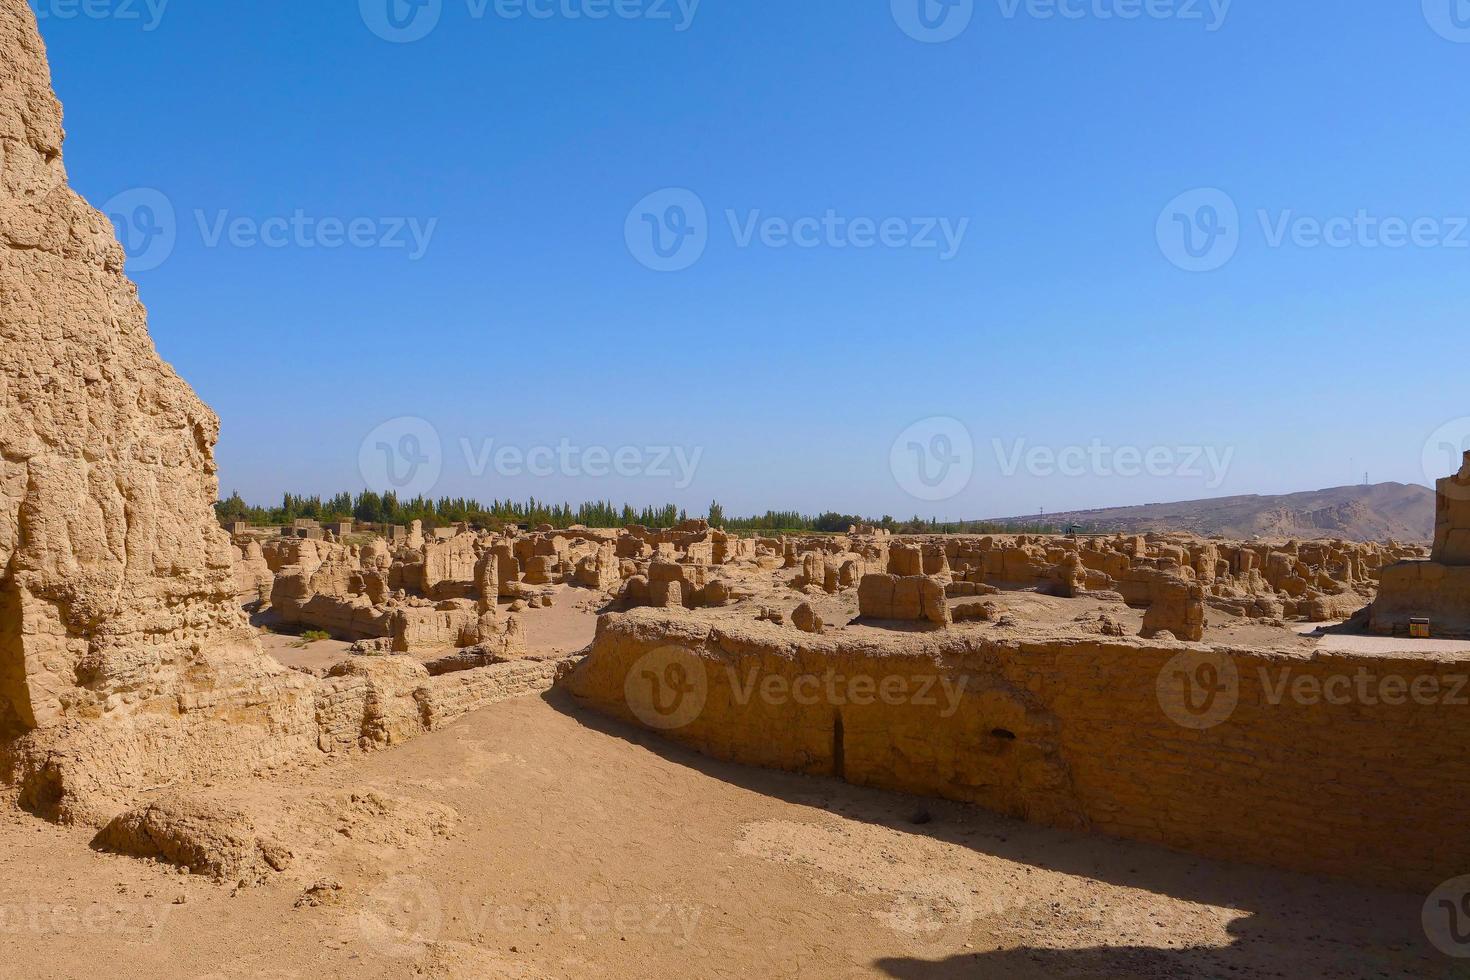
(577, 848)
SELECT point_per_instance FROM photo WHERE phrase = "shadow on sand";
(1339, 928)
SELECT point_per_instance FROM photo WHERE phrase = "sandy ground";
(1331, 638)
(587, 849)
(293, 651)
(579, 847)
(555, 631)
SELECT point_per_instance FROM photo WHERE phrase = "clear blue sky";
(1063, 319)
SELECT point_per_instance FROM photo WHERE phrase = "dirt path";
(585, 849)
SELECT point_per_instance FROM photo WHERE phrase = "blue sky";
(1058, 334)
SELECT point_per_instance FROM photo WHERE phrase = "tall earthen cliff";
(124, 660)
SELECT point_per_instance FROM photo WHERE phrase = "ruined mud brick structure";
(440, 589)
(435, 590)
(1079, 726)
(1316, 581)
(1072, 732)
(1439, 589)
(125, 659)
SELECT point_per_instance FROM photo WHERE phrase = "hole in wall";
(839, 749)
(16, 714)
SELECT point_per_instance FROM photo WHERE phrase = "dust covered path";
(585, 849)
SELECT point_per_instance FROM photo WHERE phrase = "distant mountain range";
(1377, 512)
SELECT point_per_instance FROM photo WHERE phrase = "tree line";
(373, 508)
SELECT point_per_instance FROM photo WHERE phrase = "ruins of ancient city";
(329, 746)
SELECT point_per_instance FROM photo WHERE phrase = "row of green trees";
(374, 508)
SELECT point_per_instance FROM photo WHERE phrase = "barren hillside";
(1359, 513)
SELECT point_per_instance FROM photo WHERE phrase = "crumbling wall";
(1439, 589)
(903, 597)
(1081, 733)
(125, 659)
(376, 702)
(1452, 518)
